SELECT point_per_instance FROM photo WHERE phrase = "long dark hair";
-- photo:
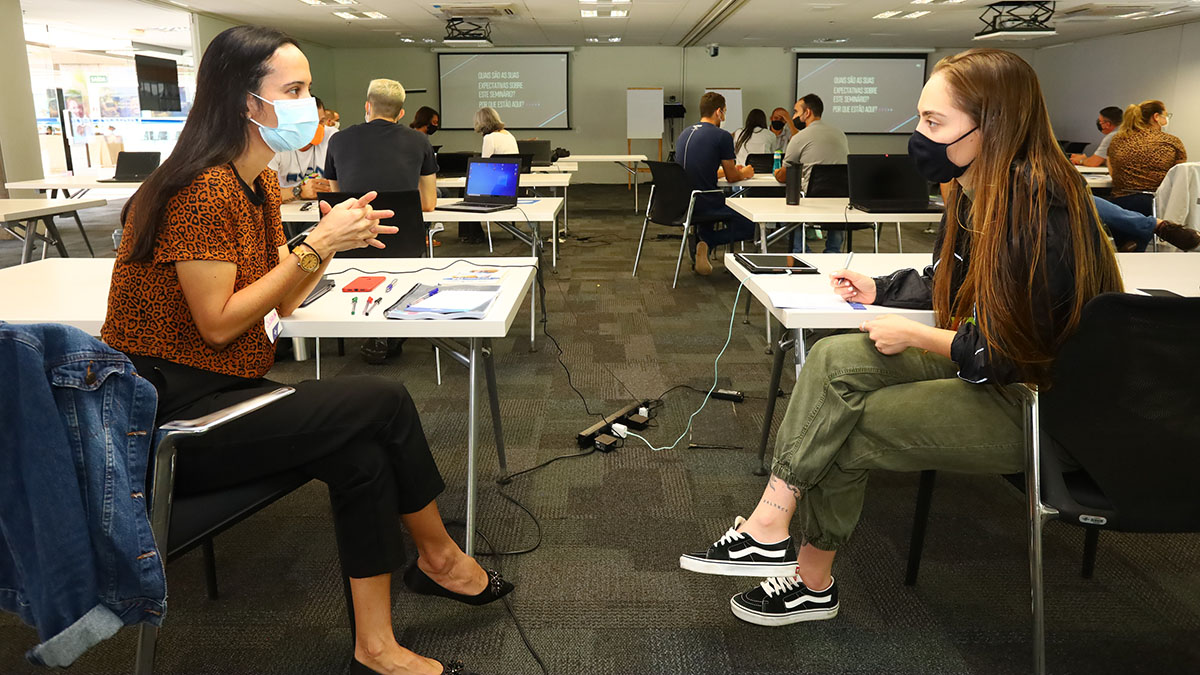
(424, 117)
(215, 133)
(1009, 221)
(757, 119)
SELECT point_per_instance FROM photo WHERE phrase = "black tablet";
(774, 263)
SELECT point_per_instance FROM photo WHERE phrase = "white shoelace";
(731, 535)
(781, 585)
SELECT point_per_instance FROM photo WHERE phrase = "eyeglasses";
(1167, 115)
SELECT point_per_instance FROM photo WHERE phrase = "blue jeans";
(737, 226)
(833, 242)
(1126, 225)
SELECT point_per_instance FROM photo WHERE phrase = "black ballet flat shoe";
(455, 668)
(419, 582)
(449, 668)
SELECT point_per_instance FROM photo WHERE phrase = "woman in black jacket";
(1019, 254)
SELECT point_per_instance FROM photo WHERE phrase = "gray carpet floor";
(604, 594)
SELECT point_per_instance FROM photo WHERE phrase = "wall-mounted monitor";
(158, 83)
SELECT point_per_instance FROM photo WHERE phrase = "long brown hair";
(1137, 116)
(1019, 168)
(233, 65)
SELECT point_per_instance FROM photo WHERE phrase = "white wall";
(1081, 78)
(19, 145)
(599, 78)
(320, 57)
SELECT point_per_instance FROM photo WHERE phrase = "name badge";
(272, 325)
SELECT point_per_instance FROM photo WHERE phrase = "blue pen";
(389, 286)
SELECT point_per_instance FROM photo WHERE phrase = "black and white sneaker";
(780, 601)
(740, 555)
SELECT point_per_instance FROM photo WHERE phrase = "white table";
(531, 211)
(559, 181)
(1176, 272)
(75, 292)
(1091, 169)
(561, 166)
(22, 216)
(622, 161)
(72, 186)
(758, 180)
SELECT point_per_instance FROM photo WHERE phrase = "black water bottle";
(795, 174)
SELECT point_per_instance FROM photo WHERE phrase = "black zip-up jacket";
(1052, 299)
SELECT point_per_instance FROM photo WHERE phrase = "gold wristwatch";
(308, 258)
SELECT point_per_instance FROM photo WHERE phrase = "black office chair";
(412, 241)
(833, 180)
(671, 203)
(1125, 382)
(526, 159)
(180, 524)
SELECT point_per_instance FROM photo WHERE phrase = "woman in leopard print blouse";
(202, 265)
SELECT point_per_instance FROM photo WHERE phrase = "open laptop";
(133, 167)
(524, 158)
(888, 184)
(762, 162)
(491, 186)
(539, 149)
(452, 164)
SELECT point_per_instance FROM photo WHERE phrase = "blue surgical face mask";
(296, 123)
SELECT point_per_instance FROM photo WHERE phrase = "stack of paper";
(453, 301)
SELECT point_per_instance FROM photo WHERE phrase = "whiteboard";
(644, 112)
(734, 118)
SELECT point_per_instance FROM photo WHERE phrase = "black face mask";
(798, 122)
(777, 125)
(431, 129)
(1098, 127)
(931, 160)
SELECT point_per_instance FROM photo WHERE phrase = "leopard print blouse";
(212, 219)
(1139, 160)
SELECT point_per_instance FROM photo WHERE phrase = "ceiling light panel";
(887, 15)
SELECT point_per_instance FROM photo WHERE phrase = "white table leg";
(472, 429)
(317, 356)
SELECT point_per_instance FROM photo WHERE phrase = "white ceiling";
(161, 25)
(766, 23)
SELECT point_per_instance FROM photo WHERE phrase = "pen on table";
(389, 286)
(353, 304)
(367, 309)
(846, 266)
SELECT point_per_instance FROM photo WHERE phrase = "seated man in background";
(815, 142)
(702, 150)
(301, 172)
(385, 156)
(426, 120)
(781, 127)
(1108, 123)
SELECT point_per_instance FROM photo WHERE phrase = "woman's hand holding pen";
(351, 224)
(852, 286)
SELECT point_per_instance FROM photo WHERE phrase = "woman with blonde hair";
(1019, 253)
(1141, 154)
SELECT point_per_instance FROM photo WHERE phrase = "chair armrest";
(202, 425)
(704, 192)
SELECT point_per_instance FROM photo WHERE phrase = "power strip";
(587, 437)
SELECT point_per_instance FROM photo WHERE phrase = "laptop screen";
(885, 177)
(493, 179)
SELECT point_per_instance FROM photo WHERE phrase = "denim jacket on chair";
(77, 555)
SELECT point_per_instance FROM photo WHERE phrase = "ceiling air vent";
(472, 10)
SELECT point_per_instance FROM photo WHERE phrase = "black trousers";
(361, 436)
